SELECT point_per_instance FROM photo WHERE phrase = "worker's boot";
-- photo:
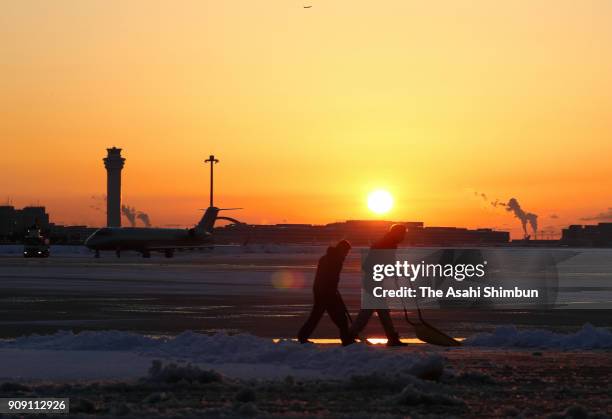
(304, 340)
(394, 340)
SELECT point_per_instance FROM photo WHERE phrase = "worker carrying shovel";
(326, 295)
(384, 251)
(390, 241)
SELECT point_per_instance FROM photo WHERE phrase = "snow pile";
(243, 349)
(589, 337)
(337, 361)
(85, 341)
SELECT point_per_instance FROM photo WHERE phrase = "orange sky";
(309, 109)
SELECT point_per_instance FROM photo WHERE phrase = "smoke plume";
(144, 217)
(129, 213)
(525, 217)
(132, 215)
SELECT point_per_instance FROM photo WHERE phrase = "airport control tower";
(114, 164)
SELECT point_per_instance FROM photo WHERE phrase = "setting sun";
(380, 201)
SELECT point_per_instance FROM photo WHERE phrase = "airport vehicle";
(165, 240)
(35, 245)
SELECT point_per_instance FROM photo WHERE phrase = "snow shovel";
(428, 333)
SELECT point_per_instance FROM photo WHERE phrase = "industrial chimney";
(114, 164)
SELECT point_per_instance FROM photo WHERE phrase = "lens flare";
(286, 279)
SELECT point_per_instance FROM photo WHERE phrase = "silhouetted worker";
(390, 241)
(326, 295)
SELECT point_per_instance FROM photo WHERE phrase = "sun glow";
(380, 201)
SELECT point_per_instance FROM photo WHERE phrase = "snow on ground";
(589, 337)
(476, 383)
(112, 373)
(97, 365)
(69, 365)
(239, 355)
(116, 354)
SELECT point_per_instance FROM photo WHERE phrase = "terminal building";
(456, 236)
(358, 232)
(14, 222)
(599, 235)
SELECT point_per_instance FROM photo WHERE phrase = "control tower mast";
(113, 164)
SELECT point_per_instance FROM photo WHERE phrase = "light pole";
(211, 159)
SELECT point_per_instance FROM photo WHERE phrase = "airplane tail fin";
(207, 223)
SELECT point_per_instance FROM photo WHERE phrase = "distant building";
(456, 236)
(358, 232)
(528, 242)
(14, 223)
(60, 234)
(7, 222)
(32, 216)
(599, 235)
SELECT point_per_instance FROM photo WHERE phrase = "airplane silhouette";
(166, 240)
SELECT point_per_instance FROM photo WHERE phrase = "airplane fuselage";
(146, 239)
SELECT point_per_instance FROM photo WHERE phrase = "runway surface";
(267, 294)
